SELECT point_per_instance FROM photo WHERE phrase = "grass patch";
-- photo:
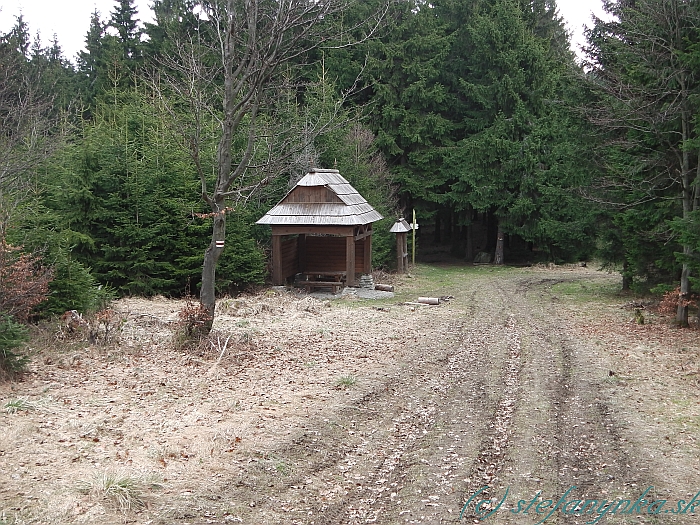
(692, 422)
(427, 280)
(683, 402)
(123, 491)
(324, 332)
(613, 380)
(19, 405)
(582, 291)
(345, 382)
(283, 468)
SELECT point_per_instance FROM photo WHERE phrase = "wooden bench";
(328, 276)
(311, 285)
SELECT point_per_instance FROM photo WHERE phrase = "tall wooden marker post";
(414, 227)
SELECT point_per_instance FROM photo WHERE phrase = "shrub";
(24, 282)
(671, 300)
(193, 319)
(105, 327)
(12, 336)
(74, 288)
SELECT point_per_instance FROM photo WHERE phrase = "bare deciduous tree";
(235, 71)
(28, 129)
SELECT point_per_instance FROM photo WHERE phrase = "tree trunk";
(626, 278)
(696, 204)
(437, 238)
(491, 231)
(498, 258)
(207, 294)
(626, 283)
(683, 297)
(450, 229)
(224, 178)
(688, 200)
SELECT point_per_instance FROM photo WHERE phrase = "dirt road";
(480, 410)
(502, 396)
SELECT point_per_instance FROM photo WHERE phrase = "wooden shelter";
(322, 228)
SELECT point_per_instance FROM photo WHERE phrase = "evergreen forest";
(120, 167)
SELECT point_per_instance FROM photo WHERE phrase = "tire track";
(579, 446)
(492, 455)
(433, 470)
(503, 400)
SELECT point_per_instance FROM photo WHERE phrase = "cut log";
(384, 287)
(429, 300)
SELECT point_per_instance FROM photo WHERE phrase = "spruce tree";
(505, 73)
(643, 68)
(92, 63)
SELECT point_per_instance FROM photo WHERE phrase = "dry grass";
(195, 416)
(123, 491)
(16, 405)
(105, 413)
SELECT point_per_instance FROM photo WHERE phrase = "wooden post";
(405, 252)
(277, 278)
(368, 253)
(400, 238)
(413, 259)
(498, 259)
(350, 259)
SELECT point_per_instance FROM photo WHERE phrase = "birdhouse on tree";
(401, 229)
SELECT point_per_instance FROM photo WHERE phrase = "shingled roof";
(322, 198)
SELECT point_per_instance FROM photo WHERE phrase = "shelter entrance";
(334, 255)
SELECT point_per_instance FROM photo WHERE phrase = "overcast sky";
(70, 19)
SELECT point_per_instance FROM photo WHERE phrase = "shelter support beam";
(367, 263)
(350, 260)
(402, 252)
(277, 278)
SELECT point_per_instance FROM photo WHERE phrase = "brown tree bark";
(470, 243)
(212, 254)
(500, 237)
(688, 201)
